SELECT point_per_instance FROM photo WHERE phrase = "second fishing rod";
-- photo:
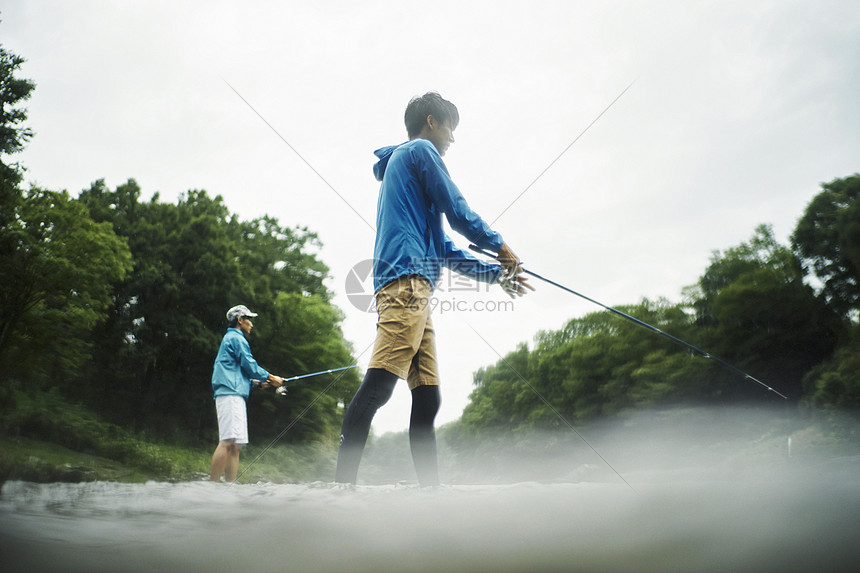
(643, 324)
(282, 390)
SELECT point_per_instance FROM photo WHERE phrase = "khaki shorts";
(405, 343)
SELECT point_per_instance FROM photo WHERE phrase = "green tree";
(499, 393)
(751, 308)
(57, 267)
(836, 382)
(301, 335)
(59, 279)
(193, 260)
(827, 237)
(596, 366)
(155, 353)
(603, 364)
(13, 136)
(13, 91)
(758, 314)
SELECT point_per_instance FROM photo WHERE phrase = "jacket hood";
(384, 154)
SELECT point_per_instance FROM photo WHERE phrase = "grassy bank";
(46, 439)
(38, 461)
(34, 460)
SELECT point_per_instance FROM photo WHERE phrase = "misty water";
(711, 494)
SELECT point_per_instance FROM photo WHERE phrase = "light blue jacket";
(416, 191)
(235, 367)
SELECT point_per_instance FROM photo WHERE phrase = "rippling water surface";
(803, 521)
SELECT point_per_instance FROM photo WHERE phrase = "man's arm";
(508, 275)
(247, 364)
(462, 219)
(448, 199)
(464, 263)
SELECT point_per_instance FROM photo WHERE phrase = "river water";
(678, 490)
(806, 521)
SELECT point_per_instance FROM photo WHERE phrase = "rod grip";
(479, 250)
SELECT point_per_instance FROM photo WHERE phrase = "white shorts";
(232, 419)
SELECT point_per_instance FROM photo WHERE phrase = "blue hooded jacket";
(416, 191)
(235, 366)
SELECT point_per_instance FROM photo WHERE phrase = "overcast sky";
(739, 110)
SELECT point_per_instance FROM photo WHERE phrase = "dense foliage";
(119, 304)
(753, 307)
(827, 239)
(193, 260)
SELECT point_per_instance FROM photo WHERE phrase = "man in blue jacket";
(411, 248)
(232, 373)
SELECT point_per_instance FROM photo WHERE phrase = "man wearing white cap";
(234, 369)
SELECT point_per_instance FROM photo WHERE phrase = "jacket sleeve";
(464, 263)
(247, 364)
(448, 199)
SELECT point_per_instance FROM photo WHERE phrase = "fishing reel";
(280, 390)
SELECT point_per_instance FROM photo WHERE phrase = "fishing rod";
(282, 390)
(674, 339)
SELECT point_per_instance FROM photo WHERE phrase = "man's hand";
(512, 281)
(508, 259)
(271, 382)
(514, 284)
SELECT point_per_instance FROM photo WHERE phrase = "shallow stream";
(797, 521)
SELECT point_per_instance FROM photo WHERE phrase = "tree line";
(787, 315)
(118, 304)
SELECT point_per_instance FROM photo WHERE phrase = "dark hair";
(433, 104)
(233, 323)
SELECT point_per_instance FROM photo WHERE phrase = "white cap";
(239, 310)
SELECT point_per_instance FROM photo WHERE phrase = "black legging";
(373, 393)
(422, 434)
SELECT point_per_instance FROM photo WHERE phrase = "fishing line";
(674, 339)
(551, 407)
(551, 163)
(299, 155)
(320, 372)
(308, 163)
(341, 373)
(288, 427)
